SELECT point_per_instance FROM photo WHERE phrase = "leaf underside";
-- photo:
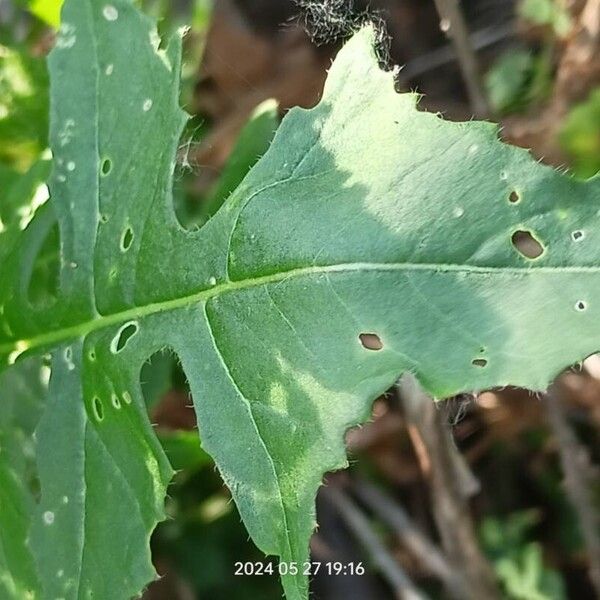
(366, 216)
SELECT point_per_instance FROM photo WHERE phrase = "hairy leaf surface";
(371, 239)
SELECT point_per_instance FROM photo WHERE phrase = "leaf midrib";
(55, 337)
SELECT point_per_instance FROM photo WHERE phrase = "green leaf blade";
(103, 476)
(104, 481)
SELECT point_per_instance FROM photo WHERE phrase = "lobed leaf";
(371, 239)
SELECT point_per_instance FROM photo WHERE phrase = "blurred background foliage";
(245, 64)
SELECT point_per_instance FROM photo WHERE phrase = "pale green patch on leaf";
(371, 239)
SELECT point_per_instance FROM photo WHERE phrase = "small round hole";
(125, 333)
(526, 244)
(126, 239)
(115, 401)
(479, 362)
(371, 341)
(578, 235)
(580, 305)
(92, 355)
(514, 197)
(98, 408)
(106, 166)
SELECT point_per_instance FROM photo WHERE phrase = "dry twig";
(449, 492)
(578, 473)
(430, 556)
(452, 22)
(446, 54)
(357, 522)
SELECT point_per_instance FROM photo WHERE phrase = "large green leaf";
(366, 216)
